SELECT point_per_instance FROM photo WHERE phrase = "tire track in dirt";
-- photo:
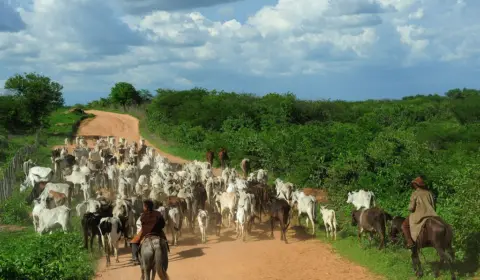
(224, 258)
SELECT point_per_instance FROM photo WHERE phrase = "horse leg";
(417, 265)
(451, 261)
(438, 267)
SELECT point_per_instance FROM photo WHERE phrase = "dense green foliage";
(35, 98)
(26, 255)
(343, 146)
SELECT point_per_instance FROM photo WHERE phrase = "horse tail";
(160, 266)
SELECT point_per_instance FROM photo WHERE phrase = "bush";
(55, 256)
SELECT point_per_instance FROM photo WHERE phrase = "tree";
(124, 93)
(38, 94)
(145, 96)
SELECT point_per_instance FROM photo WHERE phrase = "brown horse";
(210, 156)
(439, 235)
(223, 157)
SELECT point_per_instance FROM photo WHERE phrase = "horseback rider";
(421, 207)
(152, 224)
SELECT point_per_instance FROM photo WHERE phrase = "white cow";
(36, 175)
(27, 165)
(361, 199)
(306, 204)
(330, 221)
(240, 222)
(87, 206)
(36, 212)
(226, 201)
(284, 190)
(50, 218)
(202, 219)
(174, 223)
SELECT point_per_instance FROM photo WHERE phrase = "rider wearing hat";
(421, 207)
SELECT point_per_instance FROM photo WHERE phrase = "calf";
(110, 230)
(396, 228)
(49, 218)
(202, 219)
(330, 221)
(175, 223)
(217, 219)
(371, 220)
(240, 222)
(280, 211)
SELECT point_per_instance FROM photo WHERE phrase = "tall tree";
(38, 94)
(124, 93)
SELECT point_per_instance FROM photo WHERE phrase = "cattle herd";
(110, 181)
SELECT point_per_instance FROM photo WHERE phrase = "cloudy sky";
(338, 49)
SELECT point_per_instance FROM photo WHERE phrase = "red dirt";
(260, 258)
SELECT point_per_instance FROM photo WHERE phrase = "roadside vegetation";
(37, 107)
(339, 146)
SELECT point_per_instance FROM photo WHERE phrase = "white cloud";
(86, 44)
(10, 20)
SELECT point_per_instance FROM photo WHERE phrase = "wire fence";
(7, 183)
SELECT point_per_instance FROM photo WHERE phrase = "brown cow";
(58, 198)
(245, 165)
(210, 156)
(223, 157)
(261, 198)
(216, 219)
(280, 211)
(371, 220)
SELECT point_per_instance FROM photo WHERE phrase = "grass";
(26, 255)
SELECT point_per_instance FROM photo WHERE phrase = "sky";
(317, 49)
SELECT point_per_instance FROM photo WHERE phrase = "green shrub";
(26, 255)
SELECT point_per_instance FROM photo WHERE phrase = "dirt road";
(224, 258)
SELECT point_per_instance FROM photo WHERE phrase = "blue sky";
(317, 49)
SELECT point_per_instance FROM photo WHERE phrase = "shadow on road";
(186, 254)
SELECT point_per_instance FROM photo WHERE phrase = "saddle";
(148, 236)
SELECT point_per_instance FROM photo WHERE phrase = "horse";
(437, 234)
(209, 157)
(223, 157)
(154, 258)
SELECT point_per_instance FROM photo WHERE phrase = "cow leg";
(271, 227)
(310, 216)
